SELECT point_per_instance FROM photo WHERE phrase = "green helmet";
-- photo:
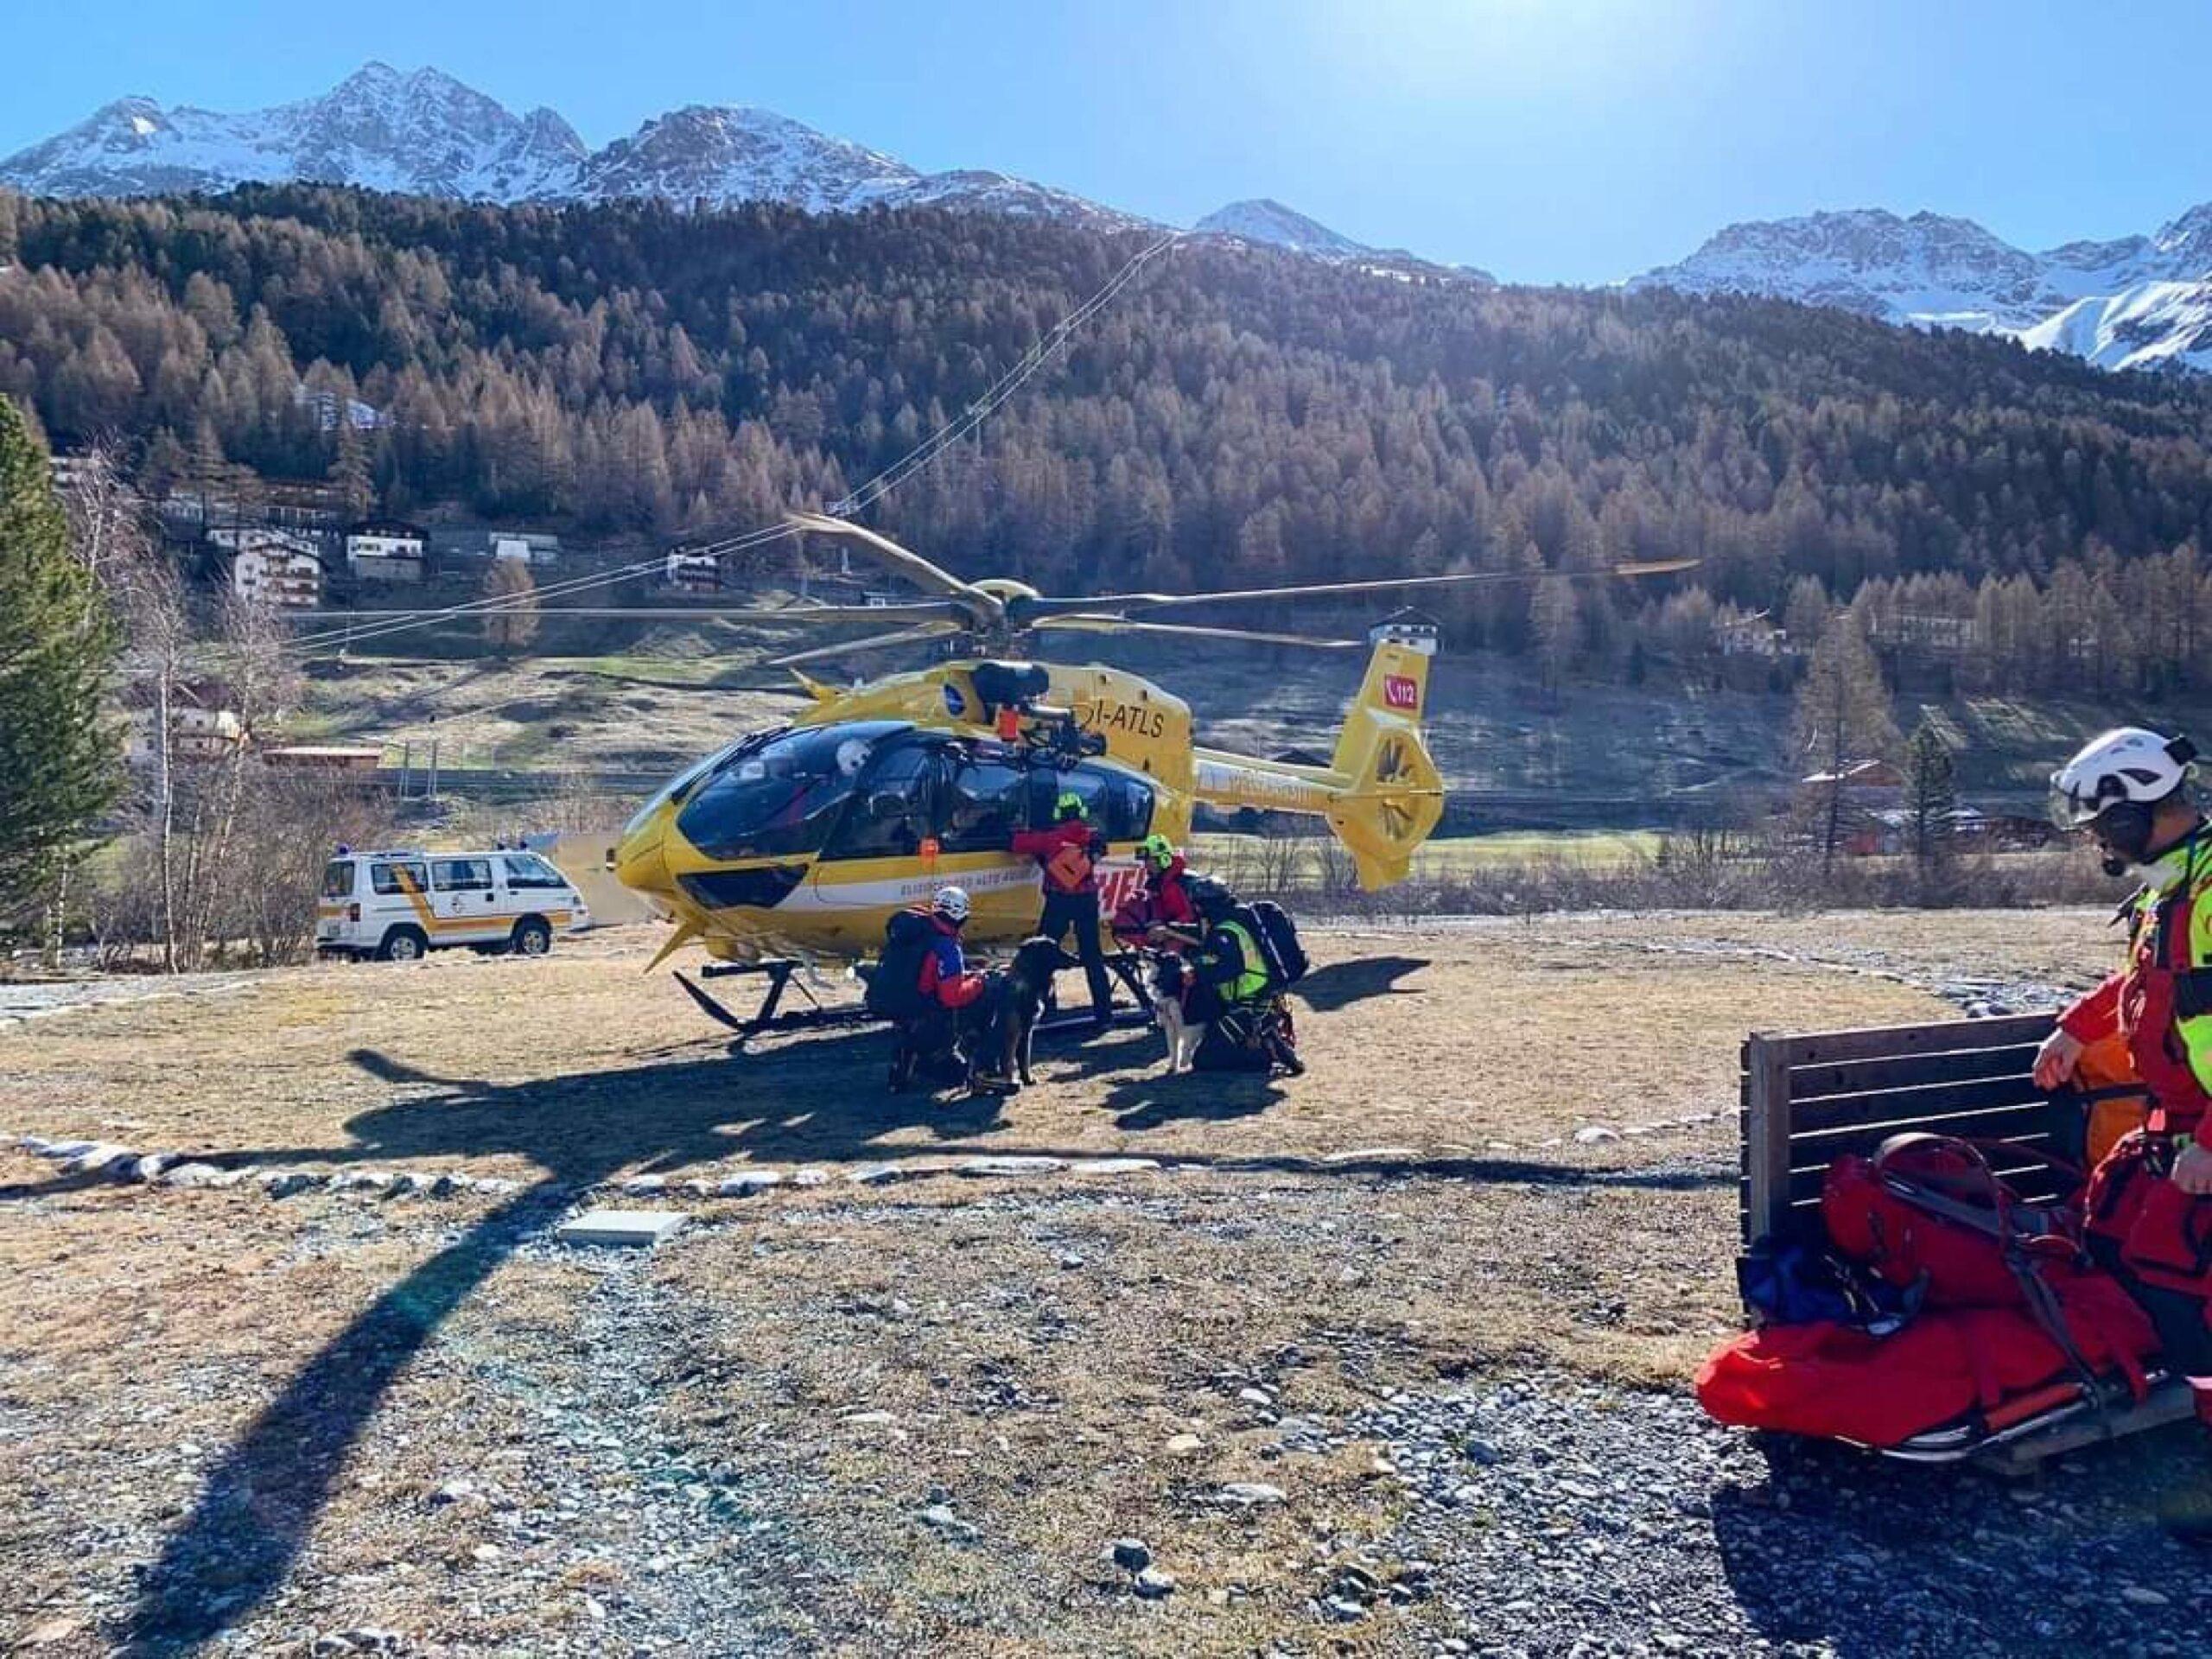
(1157, 850)
(1070, 805)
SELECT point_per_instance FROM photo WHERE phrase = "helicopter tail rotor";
(1381, 794)
(1393, 794)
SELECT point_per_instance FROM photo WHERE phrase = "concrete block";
(628, 1227)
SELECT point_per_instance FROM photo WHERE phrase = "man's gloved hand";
(2057, 1059)
(2193, 1169)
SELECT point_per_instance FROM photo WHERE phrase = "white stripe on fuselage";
(1117, 883)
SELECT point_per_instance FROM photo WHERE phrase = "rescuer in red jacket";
(2150, 1201)
(1068, 853)
(1163, 916)
(951, 1001)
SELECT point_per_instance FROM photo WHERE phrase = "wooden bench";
(1809, 1097)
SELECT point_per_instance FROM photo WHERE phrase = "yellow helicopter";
(794, 845)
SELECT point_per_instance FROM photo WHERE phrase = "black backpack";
(1277, 936)
(894, 988)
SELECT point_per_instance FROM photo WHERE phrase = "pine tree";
(1843, 717)
(1931, 793)
(58, 760)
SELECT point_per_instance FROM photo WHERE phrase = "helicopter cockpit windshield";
(784, 796)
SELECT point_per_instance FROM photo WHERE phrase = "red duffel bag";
(1927, 1213)
(1838, 1383)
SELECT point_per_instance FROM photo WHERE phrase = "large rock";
(1250, 1494)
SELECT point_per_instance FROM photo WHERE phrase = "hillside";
(617, 712)
(1237, 417)
(1239, 413)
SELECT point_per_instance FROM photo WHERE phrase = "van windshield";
(338, 879)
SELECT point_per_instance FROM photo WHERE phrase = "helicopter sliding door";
(895, 807)
(929, 814)
(1119, 803)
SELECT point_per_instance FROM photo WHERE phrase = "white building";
(694, 573)
(235, 538)
(384, 549)
(275, 570)
(195, 734)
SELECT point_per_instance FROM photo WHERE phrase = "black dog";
(1020, 999)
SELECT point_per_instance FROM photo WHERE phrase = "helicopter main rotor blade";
(877, 642)
(907, 563)
(1250, 635)
(1045, 607)
(920, 611)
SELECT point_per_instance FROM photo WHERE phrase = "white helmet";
(952, 903)
(2128, 764)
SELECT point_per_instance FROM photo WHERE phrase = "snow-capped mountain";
(422, 132)
(1272, 224)
(1267, 223)
(1926, 269)
(724, 155)
(427, 134)
(2139, 301)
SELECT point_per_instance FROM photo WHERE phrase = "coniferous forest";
(1236, 417)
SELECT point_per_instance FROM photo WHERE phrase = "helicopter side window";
(987, 804)
(1119, 804)
(896, 808)
(783, 798)
(1128, 815)
(1046, 786)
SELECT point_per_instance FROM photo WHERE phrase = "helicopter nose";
(640, 860)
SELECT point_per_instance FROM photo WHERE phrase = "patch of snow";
(2155, 325)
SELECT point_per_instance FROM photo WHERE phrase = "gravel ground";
(1390, 1361)
(1567, 1517)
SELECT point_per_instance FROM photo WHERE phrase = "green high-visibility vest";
(1254, 980)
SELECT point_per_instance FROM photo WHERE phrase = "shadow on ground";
(1843, 1552)
(1339, 984)
(678, 1109)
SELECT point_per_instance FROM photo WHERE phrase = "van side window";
(462, 874)
(385, 878)
(527, 873)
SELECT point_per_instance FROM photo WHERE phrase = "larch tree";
(511, 623)
(1842, 717)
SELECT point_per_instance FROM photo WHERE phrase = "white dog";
(1169, 979)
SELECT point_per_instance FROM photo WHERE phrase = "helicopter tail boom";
(1381, 794)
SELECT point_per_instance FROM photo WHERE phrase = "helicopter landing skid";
(779, 972)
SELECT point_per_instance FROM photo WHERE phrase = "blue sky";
(1549, 140)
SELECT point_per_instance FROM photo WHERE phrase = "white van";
(396, 905)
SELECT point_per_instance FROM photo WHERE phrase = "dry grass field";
(889, 1404)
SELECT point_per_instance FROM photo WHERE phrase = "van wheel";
(403, 945)
(532, 938)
